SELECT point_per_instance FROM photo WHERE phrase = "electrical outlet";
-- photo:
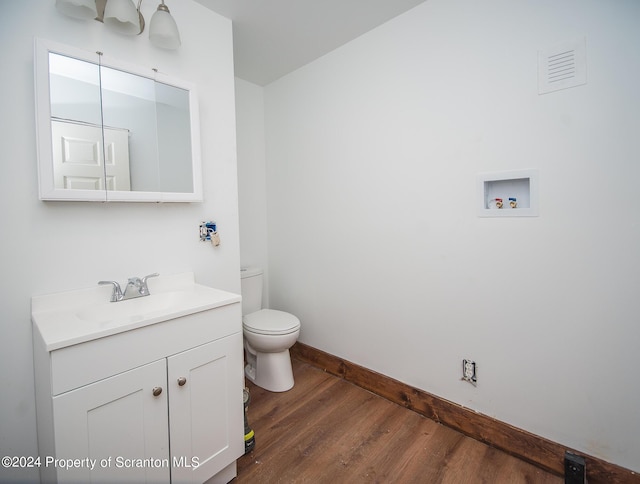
(469, 371)
(575, 469)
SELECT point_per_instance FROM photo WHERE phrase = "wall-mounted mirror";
(108, 131)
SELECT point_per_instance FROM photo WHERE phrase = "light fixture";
(163, 30)
(124, 17)
(82, 9)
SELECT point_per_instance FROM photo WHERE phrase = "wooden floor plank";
(327, 430)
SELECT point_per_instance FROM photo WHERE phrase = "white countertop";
(72, 317)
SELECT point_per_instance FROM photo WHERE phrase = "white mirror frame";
(47, 188)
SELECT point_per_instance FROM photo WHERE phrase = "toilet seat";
(270, 322)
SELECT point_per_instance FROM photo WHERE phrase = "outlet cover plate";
(469, 371)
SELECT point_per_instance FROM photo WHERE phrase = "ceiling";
(274, 37)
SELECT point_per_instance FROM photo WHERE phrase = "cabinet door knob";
(157, 391)
(181, 381)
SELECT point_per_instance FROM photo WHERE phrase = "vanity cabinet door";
(117, 427)
(206, 417)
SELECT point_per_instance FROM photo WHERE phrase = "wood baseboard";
(531, 448)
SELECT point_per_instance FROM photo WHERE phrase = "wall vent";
(562, 66)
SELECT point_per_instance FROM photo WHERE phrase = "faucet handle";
(144, 289)
(144, 279)
(116, 295)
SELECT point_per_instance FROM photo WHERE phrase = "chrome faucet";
(135, 287)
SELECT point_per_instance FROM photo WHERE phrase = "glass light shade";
(82, 9)
(163, 31)
(123, 17)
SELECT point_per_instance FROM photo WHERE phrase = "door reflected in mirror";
(105, 129)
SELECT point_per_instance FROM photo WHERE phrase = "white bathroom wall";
(374, 241)
(56, 246)
(252, 183)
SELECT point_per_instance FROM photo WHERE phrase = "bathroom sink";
(134, 309)
(73, 317)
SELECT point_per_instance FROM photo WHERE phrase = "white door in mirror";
(78, 160)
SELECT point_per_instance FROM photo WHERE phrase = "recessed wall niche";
(512, 193)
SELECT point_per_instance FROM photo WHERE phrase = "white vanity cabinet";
(155, 403)
(200, 416)
(117, 417)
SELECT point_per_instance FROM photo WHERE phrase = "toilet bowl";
(268, 335)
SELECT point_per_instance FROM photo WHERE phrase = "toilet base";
(271, 371)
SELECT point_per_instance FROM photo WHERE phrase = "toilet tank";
(251, 288)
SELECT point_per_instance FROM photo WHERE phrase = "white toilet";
(268, 335)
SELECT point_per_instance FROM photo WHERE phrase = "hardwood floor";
(327, 430)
